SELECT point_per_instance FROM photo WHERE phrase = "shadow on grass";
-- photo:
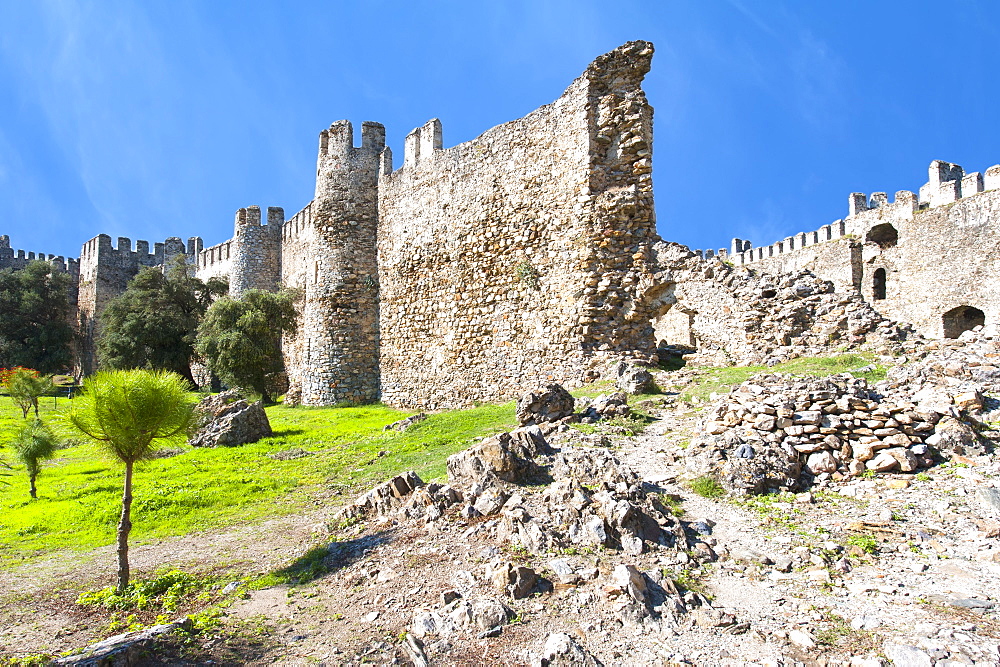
(322, 560)
(280, 433)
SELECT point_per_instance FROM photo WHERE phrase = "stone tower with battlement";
(338, 341)
(256, 251)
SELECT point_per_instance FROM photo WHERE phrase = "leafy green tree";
(33, 444)
(25, 386)
(128, 413)
(154, 322)
(35, 329)
(240, 339)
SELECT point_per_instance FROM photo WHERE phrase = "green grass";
(707, 487)
(79, 492)
(721, 380)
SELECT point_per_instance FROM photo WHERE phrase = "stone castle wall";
(529, 255)
(915, 259)
(104, 273)
(506, 261)
(18, 259)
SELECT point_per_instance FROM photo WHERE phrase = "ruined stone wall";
(519, 257)
(914, 259)
(946, 257)
(741, 315)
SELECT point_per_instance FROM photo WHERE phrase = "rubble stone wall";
(516, 258)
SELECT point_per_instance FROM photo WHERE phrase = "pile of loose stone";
(515, 493)
(759, 318)
(776, 432)
(971, 361)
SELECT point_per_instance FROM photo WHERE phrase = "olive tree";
(240, 339)
(129, 413)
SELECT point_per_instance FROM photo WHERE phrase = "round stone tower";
(339, 334)
(256, 248)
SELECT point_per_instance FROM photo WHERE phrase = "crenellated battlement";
(298, 223)
(338, 140)
(18, 259)
(421, 143)
(212, 258)
(99, 250)
(947, 183)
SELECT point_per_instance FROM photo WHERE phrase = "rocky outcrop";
(508, 457)
(130, 648)
(227, 420)
(545, 405)
(561, 650)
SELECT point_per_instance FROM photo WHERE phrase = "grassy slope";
(721, 380)
(80, 491)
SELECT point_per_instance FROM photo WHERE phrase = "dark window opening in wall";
(878, 284)
(963, 318)
(884, 235)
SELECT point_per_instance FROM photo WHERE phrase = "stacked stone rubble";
(739, 316)
(776, 432)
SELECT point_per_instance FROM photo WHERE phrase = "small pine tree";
(33, 444)
(129, 413)
(25, 386)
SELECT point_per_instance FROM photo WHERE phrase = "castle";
(528, 255)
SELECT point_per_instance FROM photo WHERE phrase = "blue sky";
(161, 118)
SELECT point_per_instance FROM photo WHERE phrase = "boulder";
(609, 406)
(821, 462)
(633, 379)
(517, 580)
(561, 650)
(545, 405)
(507, 457)
(771, 468)
(952, 435)
(227, 420)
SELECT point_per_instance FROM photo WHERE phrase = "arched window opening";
(884, 235)
(878, 284)
(961, 319)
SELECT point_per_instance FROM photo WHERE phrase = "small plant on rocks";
(707, 487)
(864, 542)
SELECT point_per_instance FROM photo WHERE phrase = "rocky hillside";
(826, 521)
